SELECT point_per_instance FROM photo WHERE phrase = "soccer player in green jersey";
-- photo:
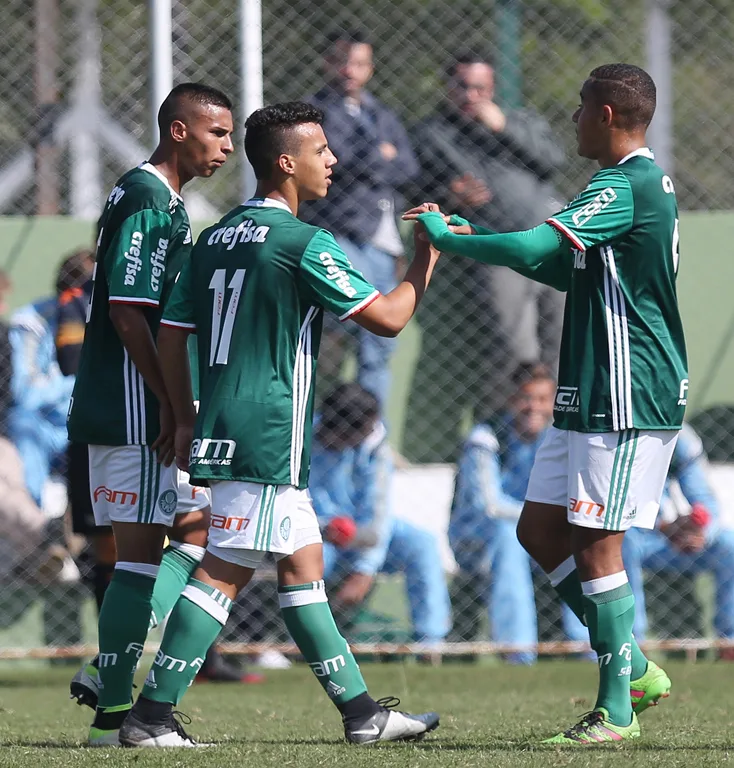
(120, 407)
(255, 292)
(622, 380)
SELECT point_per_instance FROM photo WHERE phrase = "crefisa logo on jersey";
(567, 400)
(214, 453)
(132, 255)
(158, 264)
(244, 232)
(337, 274)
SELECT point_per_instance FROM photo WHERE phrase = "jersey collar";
(146, 166)
(641, 152)
(267, 202)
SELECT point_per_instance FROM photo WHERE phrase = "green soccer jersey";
(144, 239)
(254, 292)
(623, 357)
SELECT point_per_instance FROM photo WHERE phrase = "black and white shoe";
(389, 724)
(84, 686)
(135, 732)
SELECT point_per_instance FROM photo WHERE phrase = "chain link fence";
(473, 111)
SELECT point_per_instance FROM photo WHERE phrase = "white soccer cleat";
(390, 724)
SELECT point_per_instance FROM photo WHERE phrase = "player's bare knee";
(598, 553)
(304, 565)
(139, 542)
(191, 527)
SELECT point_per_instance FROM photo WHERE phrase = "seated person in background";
(351, 469)
(691, 542)
(41, 392)
(489, 493)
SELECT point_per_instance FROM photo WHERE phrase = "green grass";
(492, 715)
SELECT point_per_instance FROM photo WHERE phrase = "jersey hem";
(567, 232)
(644, 428)
(359, 307)
(205, 481)
(132, 300)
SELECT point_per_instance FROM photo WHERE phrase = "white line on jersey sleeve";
(359, 307)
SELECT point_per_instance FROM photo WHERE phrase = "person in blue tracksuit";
(489, 492)
(41, 392)
(351, 470)
(690, 542)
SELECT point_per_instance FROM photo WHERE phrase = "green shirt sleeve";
(136, 258)
(511, 249)
(338, 286)
(179, 311)
(602, 212)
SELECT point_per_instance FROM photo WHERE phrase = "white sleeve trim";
(359, 307)
(566, 231)
(174, 324)
(133, 300)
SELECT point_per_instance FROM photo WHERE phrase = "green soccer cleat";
(101, 738)
(647, 690)
(595, 728)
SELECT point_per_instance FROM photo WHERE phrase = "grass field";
(491, 716)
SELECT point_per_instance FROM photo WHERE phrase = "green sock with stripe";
(609, 606)
(565, 580)
(177, 566)
(194, 624)
(123, 627)
(308, 617)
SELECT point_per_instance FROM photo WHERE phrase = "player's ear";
(178, 130)
(607, 115)
(287, 164)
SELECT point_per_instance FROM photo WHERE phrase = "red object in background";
(340, 531)
(700, 516)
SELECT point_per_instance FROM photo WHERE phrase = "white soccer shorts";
(250, 519)
(128, 485)
(191, 498)
(607, 480)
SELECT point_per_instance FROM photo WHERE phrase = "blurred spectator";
(494, 167)
(41, 392)
(374, 158)
(490, 490)
(685, 541)
(351, 472)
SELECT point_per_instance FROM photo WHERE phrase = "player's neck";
(283, 194)
(168, 167)
(624, 146)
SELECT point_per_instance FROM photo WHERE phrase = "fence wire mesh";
(469, 106)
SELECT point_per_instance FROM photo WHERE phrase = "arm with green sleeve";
(600, 214)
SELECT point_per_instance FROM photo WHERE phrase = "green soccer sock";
(177, 566)
(194, 624)
(308, 617)
(609, 606)
(123, 627)
(569, 590)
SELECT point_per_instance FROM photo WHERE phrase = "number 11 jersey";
(254, 291)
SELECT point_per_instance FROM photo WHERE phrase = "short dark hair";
(268, 133)
(74, 270)
(198, 93)
(351, 36)
(347, 409)
(465, 57)
(628, 89)
(528, 371)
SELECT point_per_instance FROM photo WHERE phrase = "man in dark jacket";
(374, 158)
(493, 166)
